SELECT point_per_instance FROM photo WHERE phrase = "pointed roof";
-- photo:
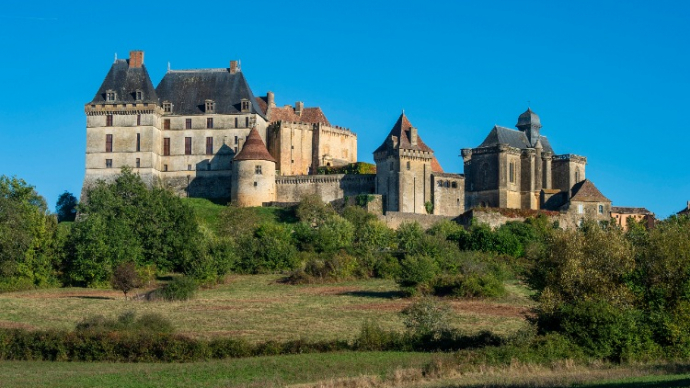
(311, 115)
(585, 191)
(528, 118)
(254, 148)
(401, 130)
(188, 91)
(513, 138)
(125, 81)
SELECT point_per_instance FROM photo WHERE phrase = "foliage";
(125, 277)
(429, 207)
(179, 289)
(126, 322)
(427, 317)
(357, 168)
(66, 207)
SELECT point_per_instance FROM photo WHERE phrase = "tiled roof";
(125, 81)
(309, 115)
(254, 148)
(401, 130)
(513, 138)
(188, 91)
(585, 191)
(263, 103)
(435, 165)
(630, 210)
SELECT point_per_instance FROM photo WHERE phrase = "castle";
(203, 133)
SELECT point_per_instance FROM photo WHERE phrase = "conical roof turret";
(254, 148)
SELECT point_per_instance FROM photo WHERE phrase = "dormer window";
(138, 95)
(210, 106)
(246, 105)
(110, 95)
(167, 107)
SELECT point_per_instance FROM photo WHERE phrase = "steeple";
(529, 123)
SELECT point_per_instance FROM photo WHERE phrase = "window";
(246, 122)
(166, 147)
(577, 175)
(108, 163)
(601, 209)
(189, 167)
(165, 167)
(454, 185)
(138, 120)
(511, 172)
(209, 146)
(256, 184)
(209, 122)
(108, 143)
(408, 166)
(236, 140)
(210, 106)
(138, 142)
(447, 183)
(167, 107)
(440, 184)
(138, 163)
(580, 209)
(108, 120)
(235, 122)
(188, 124)
(246, 105)
(110, 95)
(166, 124)
(257, 170)
(187, 145)
(139, 95)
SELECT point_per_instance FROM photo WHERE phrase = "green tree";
(126, 278)
(66, 207)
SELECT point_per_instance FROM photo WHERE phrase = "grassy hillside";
(208, 212)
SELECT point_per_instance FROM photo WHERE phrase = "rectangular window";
(580, 209)
(138, 163)
(189, 167)
(165, 167)
(246, 122)
(108, 163)
(187, 145)
(257, 170)
(138, 142)
(601, 209)
(511, 172)
(166, 124)
(235, 122)
(166, 146)
(188, 124)
(236, 140)
(209, 146)
(108, 120)
(138, 120)
(209, 122)
(108, 143)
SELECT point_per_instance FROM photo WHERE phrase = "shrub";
(427, 317)
(179, 289)
(125, 278)
(126, 322)
(415, 274)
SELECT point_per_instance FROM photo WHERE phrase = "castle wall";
(415, 188)
(291, 144)
(394, 219)
(567, 170)
(448, 193)
(328, 187)
(387, 182)
(482, 179)
(335, 146)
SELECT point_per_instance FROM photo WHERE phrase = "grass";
(259, 308)
(208, 212)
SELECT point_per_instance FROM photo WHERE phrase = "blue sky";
(609, 79)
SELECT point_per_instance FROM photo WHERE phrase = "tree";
(125, 278)
(66, 207)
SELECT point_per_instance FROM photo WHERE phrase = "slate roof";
(254, 148)
(630, 210)
(309, 115)
(527, 118)
(188, 91)
(401, 130)
(585, 191)
(125, 81)
(513, 138)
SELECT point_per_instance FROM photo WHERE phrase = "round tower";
(253, 173)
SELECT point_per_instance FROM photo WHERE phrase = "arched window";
(601, 209)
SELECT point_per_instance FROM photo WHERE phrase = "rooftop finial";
(168, 66)
(403, 111)
(115, 58)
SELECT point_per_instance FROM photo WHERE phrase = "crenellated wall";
(328, 187)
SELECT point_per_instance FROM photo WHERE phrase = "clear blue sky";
(609, 79)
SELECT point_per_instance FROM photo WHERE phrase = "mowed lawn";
(260, 308)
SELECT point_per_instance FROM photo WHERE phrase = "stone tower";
(253, 173)
(403, 169)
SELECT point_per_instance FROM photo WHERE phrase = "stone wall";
(395, 219)
(448, 192)
(336, 146)
(328, 187)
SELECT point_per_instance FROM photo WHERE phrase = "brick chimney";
(270, 97)
(136, 58)
(299, 107)
(413, 136)
(234, 67)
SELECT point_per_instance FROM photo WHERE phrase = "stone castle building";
(203, 133)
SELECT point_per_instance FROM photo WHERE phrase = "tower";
(253, 173)
(403, 169)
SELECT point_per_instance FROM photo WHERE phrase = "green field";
(260, 308)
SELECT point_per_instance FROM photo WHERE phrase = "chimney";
(299, 107)
(234, 67)
(413, 136)
(136, 58)
(271, 99)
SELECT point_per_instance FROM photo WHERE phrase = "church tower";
(403, 169)
(253, 173)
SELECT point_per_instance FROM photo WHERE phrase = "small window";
(139, 95)
(138, 142)
(580, 209)
(138, 120)
(257, 170)
(440, 184)
(246, 105)
(166, 147)
(454, 185)
(108, 143)
(167, 107)
(210, 106)
(138, 163)
(601, 209)
(447, 183)
(246, 122)
(165, 167)
(110, 95)
(189, 167)
(236, 140)
(187, 145)
(209, 146)
(408, 166)
(188, 124)
(577, 175)
(108, 163)
(209, 122)
(235, 122)
(256, 184)
(108, 120)
(166, 124)
(511, 172)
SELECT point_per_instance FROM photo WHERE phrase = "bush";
(125, 278)
(427, 317)
(179, 289)
(468, 286)
(127, 322)
(416, 272)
